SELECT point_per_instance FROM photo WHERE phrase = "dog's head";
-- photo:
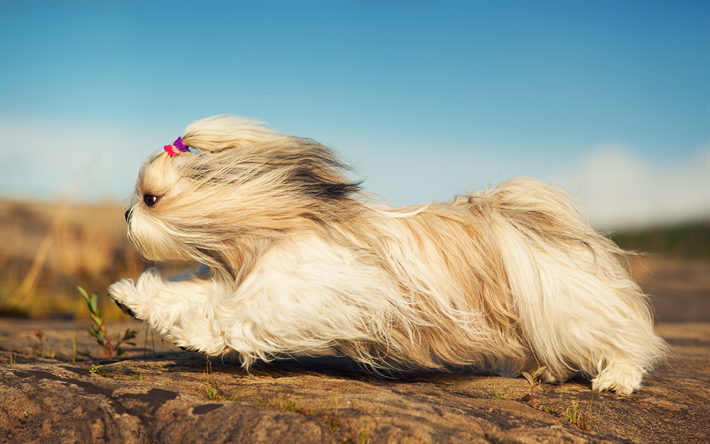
(239, 184)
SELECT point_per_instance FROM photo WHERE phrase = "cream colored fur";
(505, 279)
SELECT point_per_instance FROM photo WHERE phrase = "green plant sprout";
(43, 347)
(495, 392)
(534, 381)
(74, 340)
(98, 370)
(329, 417)
(575, 416)
(211, 387)
(98, 329)
(332, 421)
(363, 433)
(212, 390)
(286, 403)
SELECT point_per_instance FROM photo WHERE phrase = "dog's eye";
(149, 200)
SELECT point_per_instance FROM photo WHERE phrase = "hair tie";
(176, 148)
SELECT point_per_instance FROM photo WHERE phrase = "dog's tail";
(578, 307)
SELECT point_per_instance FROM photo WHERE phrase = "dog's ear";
(314, 170)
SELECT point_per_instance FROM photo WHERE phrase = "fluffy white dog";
(506, 279)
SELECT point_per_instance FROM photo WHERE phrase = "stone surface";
(166, 399)
(159, 394)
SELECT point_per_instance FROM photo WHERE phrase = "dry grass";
(49, 249)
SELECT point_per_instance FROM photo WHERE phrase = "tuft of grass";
(294, 405)
(287, 404)
(137, 376)
(43, 348)
(576, 417)
(74, 341)
(98, 370)
(212, 391)
(495, 392)
(332, 421)
(13, 359)
(211, 388)
(575, 414)
(97, 329)
(330, 416)
(364, 437)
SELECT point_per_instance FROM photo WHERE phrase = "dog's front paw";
(123, 294)
(134, 299)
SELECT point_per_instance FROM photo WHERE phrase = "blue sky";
(610, 100)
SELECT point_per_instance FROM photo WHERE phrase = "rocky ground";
(156, 393)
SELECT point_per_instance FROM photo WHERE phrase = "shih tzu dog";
(298, 261)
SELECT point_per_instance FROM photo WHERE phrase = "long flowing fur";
(508, 278)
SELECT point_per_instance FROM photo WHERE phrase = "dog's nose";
(128, 216)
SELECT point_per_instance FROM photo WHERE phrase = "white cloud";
(621, 188)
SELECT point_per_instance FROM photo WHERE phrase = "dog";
(297, 259)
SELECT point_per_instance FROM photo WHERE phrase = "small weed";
(575, 415)
(330, 417)
(332, 421)
(285, 403)
(294, 405)
(589, 412)
(495, 392)
(211, 387)
(40, 337)
(534, 381)
(98, 328)
(42, 348)
(98, 370)
(288, 403)
(364, 438)
(212, 390)
(137, 376)
(74, 340)
(13, 359)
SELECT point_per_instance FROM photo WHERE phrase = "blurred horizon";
(609, 100)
